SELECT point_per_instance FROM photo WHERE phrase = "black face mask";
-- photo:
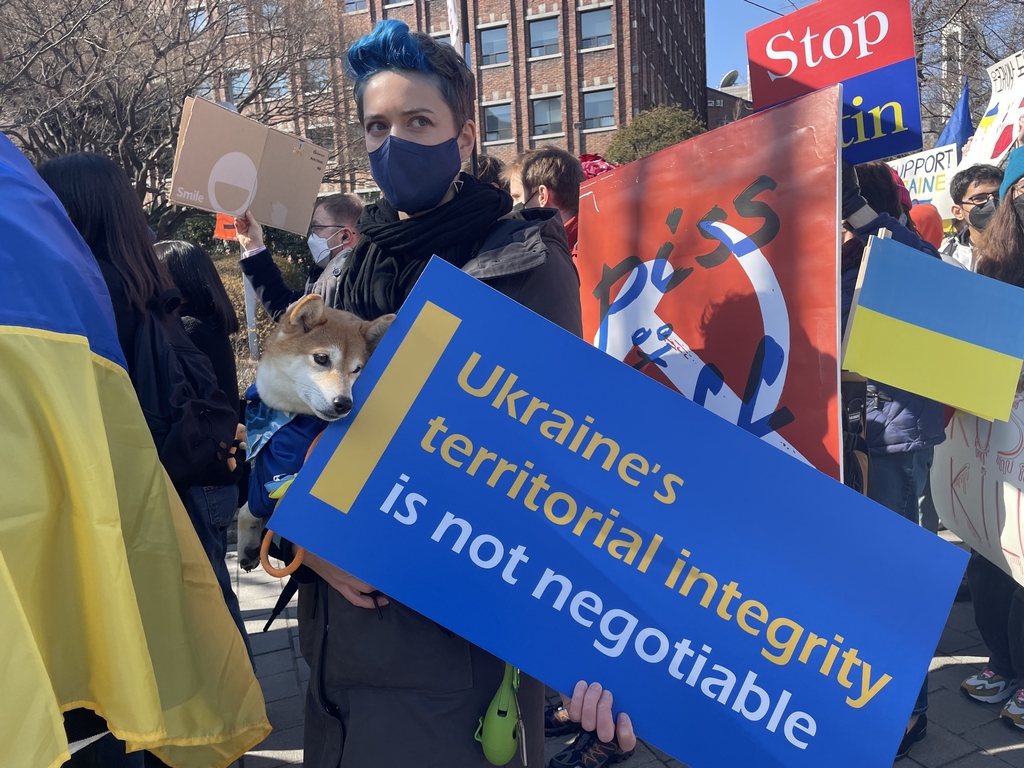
(980, 215)
(1018, 208)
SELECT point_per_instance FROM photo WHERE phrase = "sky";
(727, 24)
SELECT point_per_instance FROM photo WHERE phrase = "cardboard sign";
(227, 163)
(225, 228)
(936, 330)
(868, 45)
(927, 175)
(713, 267)
(1000, 127)
(514, 484)
(978, 484)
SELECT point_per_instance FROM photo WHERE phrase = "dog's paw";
(250, 534)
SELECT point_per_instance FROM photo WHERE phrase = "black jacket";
(273, 292)
(401, 689)
(214, 342)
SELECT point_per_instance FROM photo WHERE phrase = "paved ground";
(961, 733)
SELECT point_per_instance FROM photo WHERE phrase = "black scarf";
(392, 252)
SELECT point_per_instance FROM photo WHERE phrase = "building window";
(596, 27)
(544, 37)
(196, 18)
(547, 116)
(239, 84)
(599, 109)
(498, 122)
(238, 22)
(318, 75)
(322, 136)
(447, 39)
(271, 12)
(205, 90)
(355, 5)
(494, 45)
(278, 88)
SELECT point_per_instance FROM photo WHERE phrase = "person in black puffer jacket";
(903, 428)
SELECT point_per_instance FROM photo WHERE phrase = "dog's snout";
(342, 404)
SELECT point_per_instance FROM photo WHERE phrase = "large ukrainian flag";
(936, 330)
(107, 600)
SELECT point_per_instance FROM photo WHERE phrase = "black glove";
(853, 201)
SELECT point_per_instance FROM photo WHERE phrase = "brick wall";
(593, 65)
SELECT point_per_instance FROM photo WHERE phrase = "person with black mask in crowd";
(392, 689)
(975, 193)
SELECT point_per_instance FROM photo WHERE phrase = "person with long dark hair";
(998, 599)
(209, 319)
(102, 205)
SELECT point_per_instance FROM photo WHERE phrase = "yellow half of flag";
(919, 360)
(107, 599)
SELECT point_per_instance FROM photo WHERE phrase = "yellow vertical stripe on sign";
(386, 408)
(957, 373)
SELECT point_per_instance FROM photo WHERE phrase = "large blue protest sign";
(531, 493)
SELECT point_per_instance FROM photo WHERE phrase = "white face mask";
(320, 248)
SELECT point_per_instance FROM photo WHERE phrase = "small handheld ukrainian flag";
(938, 331)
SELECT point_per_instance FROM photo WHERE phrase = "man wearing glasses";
(975, 193)
(332, 237)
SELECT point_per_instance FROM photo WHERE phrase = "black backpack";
(192, 421)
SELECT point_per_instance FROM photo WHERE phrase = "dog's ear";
(304, 315)
(373, 331)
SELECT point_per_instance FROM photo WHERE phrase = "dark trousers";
(999, 613)
(898, 481)
(212, 510)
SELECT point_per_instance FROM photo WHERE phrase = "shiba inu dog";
(314, 356)
(310, 363)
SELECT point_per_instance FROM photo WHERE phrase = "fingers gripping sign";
(591, 707)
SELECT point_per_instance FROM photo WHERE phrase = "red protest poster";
(713, 267)
(225, 229)
(827, 42)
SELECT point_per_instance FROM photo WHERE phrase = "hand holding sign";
(591, 707)
(348, 586)
(249, 232)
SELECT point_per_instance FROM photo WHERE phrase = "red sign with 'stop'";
(826, 43)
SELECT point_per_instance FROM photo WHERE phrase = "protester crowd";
(401, 692)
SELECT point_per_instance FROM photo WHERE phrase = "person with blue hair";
(388, 686)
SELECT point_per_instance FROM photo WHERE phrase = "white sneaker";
(988, 687)
(1013, 711)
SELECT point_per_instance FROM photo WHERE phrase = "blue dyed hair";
(392, 46)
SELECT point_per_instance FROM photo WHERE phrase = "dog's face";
(314, 356)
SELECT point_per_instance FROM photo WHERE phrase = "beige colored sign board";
(227, 163)
(977, 482)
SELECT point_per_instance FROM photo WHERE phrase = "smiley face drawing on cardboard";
(233, 183)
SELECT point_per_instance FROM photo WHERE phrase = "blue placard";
(582, 521)
(882, 113)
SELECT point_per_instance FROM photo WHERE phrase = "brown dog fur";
(314, 356)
